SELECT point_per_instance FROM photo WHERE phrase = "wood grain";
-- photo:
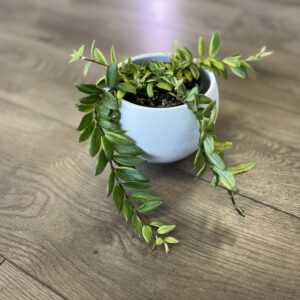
(60, 236)
(16, 285)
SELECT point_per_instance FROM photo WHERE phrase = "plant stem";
(118, 179)
(92, 60)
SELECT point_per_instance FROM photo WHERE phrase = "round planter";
(165, 134)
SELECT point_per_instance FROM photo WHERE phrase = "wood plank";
(16, 285)
(58, 226)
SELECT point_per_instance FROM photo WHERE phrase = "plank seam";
(57, 293)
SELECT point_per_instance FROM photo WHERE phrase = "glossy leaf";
(111, 182)
(137, 225)
(118, 138)
(85, 121)
(107, 147)
(144, 197)
(201, 47)
(86, 133)
(209, 144)
(128, 160)
(216, 160)
(130, 174)
(91, 99)
(171, 240)
(241, 167)
(147, 233)
(118, 196)
(126, 87)
(99, 57)
(111, 77)
(101, 162)
(95, 142)
(89, 88)
(127, 209)
(136, 185)
(149, 205)
(215, 43)
(113, 55)
(166, 229)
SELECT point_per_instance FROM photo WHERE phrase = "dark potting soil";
(164, 99)
(159, 100)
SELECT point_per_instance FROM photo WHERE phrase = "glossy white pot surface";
(165, 134)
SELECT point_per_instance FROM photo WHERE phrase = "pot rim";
(183, 106)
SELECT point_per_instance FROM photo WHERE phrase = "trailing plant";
(180, 79)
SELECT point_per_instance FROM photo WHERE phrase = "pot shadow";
(199, 224)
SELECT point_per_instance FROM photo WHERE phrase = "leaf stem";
(93, 61)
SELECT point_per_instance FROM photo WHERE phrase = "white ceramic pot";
(165, 134)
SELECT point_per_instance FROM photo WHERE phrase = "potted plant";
(157, 108)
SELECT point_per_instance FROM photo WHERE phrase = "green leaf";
(215, 43)
(214, 181)
(120, 94)
(157, 223)
(149, 205)
(241, 167)
(164, 86)
(127, 88)
(85, 121)
(111, 182)
(232, 61)
(198, 158)
(202, 170)
(118, 196)
(128, 160)
(212, 118)
(85, 107)
(144, 197)
(209, 144)
(86, 133)
(107, 147)
(89, 88)
(106, 124)
(95, 142)
(137, 225)
(77, 54)
(150, 93)
(166, 229)
(111, 77)
(171, 240)
(113, 55)
(86, 68)
(208, 109)
(107, 101)
(216, 160)
(128, 149)
(99, 57)
(226, 178)
(130, 174)
(147, 233)
(135, 185)
(166, 247)
(127, 209)
(221, 146)
(101, 162)
(118, 138)
(159, 241)
(91, 99)
(194, 71)
(203, 132)
(201, 47)
(239, 71)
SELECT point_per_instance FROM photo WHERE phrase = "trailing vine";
(181, 79)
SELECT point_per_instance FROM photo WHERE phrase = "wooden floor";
(60, 237)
